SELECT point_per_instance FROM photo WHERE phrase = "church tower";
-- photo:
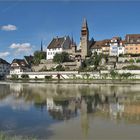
(84, 39)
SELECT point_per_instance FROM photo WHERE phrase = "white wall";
(19, 70)
(99, 51)
(116, 50)
(52, 52)
(120, 50)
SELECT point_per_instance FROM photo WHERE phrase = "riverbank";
(79, 81)
(4, 136)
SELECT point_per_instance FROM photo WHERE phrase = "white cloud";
(21, 48)
(4, 54)
(9, 27)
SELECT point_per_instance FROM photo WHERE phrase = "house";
(18, 66)
(4, 68)
(106, 46)
(96, 47)
(58, 45)
(121, 48)
(132, 44)
(116, 46)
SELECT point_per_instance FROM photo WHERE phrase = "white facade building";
(51, 52)
(58, 45)
(19, 66)
(116, 46)
(97, 50)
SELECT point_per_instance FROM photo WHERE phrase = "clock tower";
(84, 39)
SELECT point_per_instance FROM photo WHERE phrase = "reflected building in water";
(70, 101)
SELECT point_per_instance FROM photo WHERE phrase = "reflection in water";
(61, 103)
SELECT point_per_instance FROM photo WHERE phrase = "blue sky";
(23, 24)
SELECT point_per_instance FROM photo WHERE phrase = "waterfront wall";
(77, 75)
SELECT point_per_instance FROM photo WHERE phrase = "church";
(67, 44)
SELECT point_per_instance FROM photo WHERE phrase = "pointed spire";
(84, 23)
(41, 46)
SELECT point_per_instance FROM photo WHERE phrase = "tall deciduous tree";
(61, 57)
(38, 55)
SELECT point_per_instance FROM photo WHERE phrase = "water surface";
(50, 111)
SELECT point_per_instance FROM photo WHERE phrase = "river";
(70, 111)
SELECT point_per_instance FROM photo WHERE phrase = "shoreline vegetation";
(75, 81)
(4, 136)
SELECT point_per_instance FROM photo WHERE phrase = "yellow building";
(132, 44)
(106, 46)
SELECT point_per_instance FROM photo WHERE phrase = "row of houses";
(16, 67)
(112, 47)
(117, 46)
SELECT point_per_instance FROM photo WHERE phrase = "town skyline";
(25, 24)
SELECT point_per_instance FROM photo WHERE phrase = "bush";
(60, 68)
(138, 60)
(126, 75)
(131, 67)
(134, 55)
(14, 76)
(49, 77)
(24, 76)
(131, 60)
(113, 74)
(126, 61)
(61, 57)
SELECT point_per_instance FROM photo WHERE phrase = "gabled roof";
(58, 42)
(2, 61)
(116, 38)
(132, 38)
(29, 59)
(133, 35)
(106, 43)
(97, 45)
(100, 44)
(20, 62)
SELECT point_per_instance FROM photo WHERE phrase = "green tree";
(138, 60)
(38, 55)
(113, 74)
(131, 60)
(94, 60)
(97, 59)
(61, 57)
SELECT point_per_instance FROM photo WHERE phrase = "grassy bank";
(4, 136)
